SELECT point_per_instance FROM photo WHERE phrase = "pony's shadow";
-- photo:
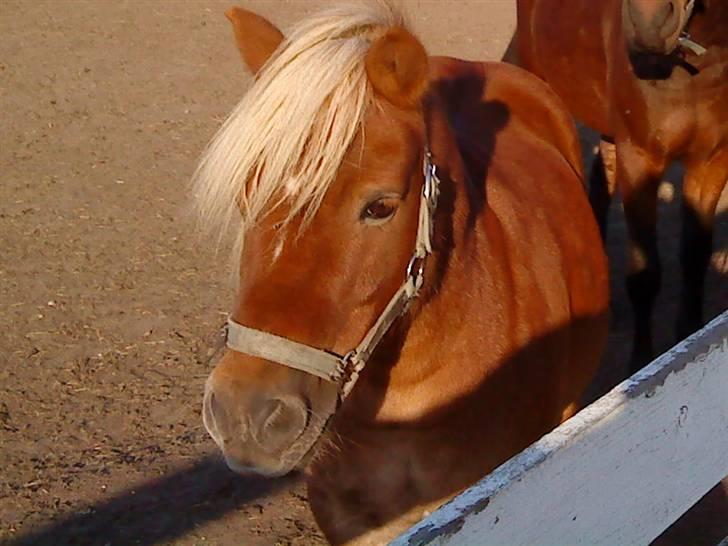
(467, 114)
(158, 510)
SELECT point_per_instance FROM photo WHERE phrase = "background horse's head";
(654, 26)
(319, 168)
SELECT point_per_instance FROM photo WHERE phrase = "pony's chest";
(670, 116)
(378, 475)
(710, 100)
(374, 487)
(697, 97)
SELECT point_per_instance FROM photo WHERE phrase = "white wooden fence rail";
(618, 473)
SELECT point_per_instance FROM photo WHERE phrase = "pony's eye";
(379, 210)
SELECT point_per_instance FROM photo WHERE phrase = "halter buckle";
(347, 361)
(430, 191)
(686, 43)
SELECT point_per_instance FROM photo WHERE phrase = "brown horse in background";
(623, 67)
(320, 168)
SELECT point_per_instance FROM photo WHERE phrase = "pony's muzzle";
(254, 429)
(656, 24)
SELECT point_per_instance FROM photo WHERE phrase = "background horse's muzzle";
(656, 24)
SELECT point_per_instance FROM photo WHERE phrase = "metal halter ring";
(416, 262)
(347, 361)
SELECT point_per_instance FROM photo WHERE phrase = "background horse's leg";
(638, 175)
(702, 187)
(603, 182)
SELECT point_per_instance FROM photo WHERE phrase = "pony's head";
(319, 171)
(654, 26)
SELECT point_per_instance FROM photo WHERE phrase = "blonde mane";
(285, 140)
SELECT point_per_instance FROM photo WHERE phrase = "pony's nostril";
(269, 412)
(278, 422)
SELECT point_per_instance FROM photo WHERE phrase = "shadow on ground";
(158, 510)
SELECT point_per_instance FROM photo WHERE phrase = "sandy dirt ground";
(109, 301)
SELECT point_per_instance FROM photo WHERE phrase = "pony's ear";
(257, 38)
(396, 65)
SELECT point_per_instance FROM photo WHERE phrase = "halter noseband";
(345, 369)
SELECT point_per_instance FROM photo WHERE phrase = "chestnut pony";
(418, 224)
(624, 68)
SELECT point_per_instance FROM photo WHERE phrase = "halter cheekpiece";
(345, 369)
(684, 40)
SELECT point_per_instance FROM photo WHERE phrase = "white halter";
(684, 40)
(345, 369)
